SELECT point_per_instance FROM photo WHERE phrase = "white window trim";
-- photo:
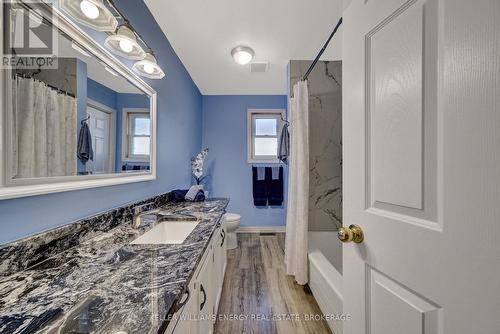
(125, 136)
(250, 113)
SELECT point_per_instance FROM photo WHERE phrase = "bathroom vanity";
(90, 276)
(198, 312)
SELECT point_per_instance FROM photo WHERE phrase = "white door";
(421, 164)
(100, 129)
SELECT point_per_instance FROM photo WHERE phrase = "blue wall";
(101, 94)
(225, 134)
(179, 138)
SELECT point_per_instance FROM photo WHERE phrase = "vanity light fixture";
(124, 43)
(148, 67)
(91, 13)
(242, 55)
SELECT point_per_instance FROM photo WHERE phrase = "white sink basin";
(168, 232)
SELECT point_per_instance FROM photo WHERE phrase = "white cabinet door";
(421, 164)
(206, 294)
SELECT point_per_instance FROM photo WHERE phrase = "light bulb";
(149, 69)
(126, 46)
(242, 57)
(89, 9)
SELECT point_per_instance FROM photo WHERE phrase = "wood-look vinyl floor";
(258, 295)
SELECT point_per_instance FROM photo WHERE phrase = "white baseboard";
(259, 229)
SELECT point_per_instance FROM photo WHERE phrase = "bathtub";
(325, 280)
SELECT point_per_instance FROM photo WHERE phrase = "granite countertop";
(106, 285)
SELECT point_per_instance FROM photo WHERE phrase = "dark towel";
(200, 196)
(84, 149)
(128, 167)
(259, 189)
(274, 187)
(284, 144)
(178, 195)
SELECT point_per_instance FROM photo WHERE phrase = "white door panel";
(394, 65)
(408, 312)
(421, 164)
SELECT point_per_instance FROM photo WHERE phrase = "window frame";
(252, 114)
(127, 137)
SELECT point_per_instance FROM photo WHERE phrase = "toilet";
(232, 223)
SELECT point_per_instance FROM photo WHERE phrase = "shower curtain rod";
(322, 50)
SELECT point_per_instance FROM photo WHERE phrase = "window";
(138, 141)
(264, 129)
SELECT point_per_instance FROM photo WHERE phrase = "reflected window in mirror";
(139, 132)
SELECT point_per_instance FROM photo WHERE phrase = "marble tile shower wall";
(325, 142)
(28, 252)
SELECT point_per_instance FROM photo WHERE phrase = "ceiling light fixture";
(242, 54)
(148, 67)
(124, 43)
(91, 13)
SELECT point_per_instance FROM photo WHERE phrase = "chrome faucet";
(138, 213)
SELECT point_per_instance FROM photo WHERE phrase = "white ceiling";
(203, 33)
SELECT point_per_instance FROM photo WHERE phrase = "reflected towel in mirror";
(85, 152)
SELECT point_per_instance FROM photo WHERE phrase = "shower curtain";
(44, 125)
(298, 186)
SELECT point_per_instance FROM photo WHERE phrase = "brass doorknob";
(352, 233)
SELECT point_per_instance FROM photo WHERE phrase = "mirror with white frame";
(87, 121)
